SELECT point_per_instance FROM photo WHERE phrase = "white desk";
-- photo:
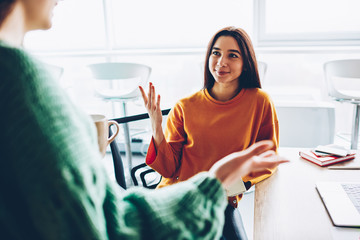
(287, 205)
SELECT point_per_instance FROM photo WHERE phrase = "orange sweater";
(201, 130)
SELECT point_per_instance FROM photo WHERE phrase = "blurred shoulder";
(14, 61)
(12, 54)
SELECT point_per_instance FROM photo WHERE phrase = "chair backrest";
(348, 68)
(114, 71)
(118, 164)
(262, 68)
(138, 173)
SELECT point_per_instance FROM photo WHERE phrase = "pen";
(344, 168)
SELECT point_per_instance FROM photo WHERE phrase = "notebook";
(324, 159)
(342, 202)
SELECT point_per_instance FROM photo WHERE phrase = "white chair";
(118, 82)
(340, 70)
(262, 68)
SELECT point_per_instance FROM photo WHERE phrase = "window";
(175, 24)
(77, 25)
(307, 22)
(83, 25)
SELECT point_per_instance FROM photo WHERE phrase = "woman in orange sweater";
(229, 114)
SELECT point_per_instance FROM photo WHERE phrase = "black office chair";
(139, 172)
(118, 165)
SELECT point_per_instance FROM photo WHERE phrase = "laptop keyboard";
(353, 191)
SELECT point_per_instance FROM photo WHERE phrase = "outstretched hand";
(257, 157)
(152, 105)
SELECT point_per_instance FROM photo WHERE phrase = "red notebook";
(324, 160)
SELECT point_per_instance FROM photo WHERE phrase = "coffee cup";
(102, 126)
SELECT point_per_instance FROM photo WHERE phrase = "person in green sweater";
(52, 183)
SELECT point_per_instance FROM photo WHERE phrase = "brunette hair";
(5, 8)
(249, 77)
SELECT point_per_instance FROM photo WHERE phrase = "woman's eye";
(216, 53)
(233, 55)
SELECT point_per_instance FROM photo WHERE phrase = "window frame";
(263, 39)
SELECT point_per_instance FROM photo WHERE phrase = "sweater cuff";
(192, 209)
(151, 154)
(209, 186)
(152, 151)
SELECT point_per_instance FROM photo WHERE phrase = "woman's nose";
(222, 61)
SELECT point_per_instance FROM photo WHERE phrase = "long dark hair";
(5, 8)
(249, 77)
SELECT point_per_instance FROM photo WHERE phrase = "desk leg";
(355, 127)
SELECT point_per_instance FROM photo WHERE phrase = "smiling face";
(225, 61)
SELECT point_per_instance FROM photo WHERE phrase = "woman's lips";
(222, 73)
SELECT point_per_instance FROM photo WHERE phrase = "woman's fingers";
(149, 96)
(268, 153)
(262, 162)
(158, 102)
(257, 149)
(153, 102)
(145, 99)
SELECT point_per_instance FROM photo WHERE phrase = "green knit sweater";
(52, 182)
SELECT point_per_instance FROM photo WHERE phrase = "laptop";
(342, 201)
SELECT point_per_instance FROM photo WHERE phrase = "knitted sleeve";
(193, 209)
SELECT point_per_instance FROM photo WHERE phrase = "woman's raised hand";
(152, 105)
(257, 157)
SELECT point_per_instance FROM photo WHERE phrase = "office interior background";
(294, 38)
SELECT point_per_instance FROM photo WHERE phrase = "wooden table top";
(288, 206)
